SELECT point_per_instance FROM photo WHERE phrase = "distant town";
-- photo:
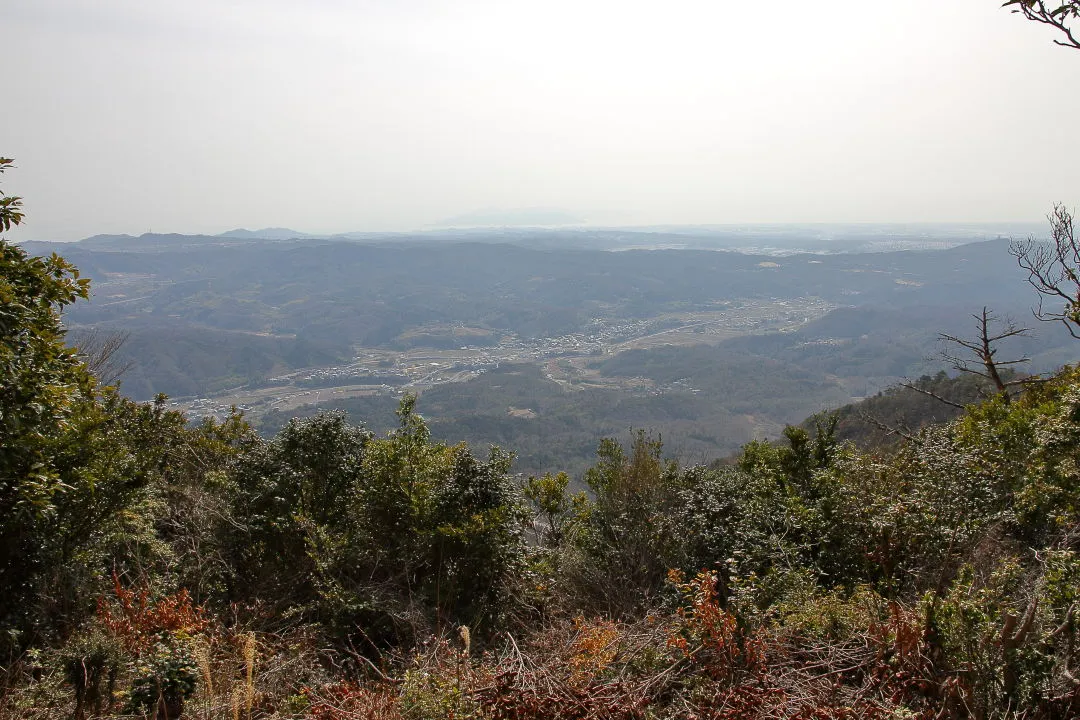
(565, 359)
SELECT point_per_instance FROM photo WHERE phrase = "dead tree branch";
(1054, 270)
(900, 430)
(98, 348)
(916, 388)
(990, 331)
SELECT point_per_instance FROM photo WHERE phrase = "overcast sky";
(339, 115)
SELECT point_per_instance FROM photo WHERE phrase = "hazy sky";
(338, 115)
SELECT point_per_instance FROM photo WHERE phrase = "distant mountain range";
(546, 340)
(753, 239)
(267, 234)
(517, 217)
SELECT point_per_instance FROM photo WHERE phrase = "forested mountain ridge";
(339, 295)
(899, 412)
(547, 349)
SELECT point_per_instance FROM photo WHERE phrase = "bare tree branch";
(98, 348)
(990, 331)
(1054, 270)
(888, 429)
(1059, 16)
(916, 388)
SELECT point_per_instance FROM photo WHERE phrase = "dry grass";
(700, 663)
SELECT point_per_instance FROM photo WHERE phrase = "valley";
(568, 360)
(547, 341)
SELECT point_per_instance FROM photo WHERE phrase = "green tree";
(90, 482)
(553, 506)
(390, 534)
(622, 544)
(41, 380)
(442, 529)
(43, 384)
(293, 493)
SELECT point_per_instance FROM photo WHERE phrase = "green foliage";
(1011, 635)
(45, 398)
(88, 479)
(553, 505)
(164, 677)
(41, 382)
(622, 545)
(393, 533)
(1050, 499)
(293, 494)
(91, 663)
(430, 696)
(10, 206)
(438, 522)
